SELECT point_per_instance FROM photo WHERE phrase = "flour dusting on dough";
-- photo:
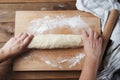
(39, 25)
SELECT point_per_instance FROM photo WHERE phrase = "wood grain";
(19, 1)
(7, 15)
(7, 11)
(43, 75)
(34, 60)
(38, 6)
(6, 31)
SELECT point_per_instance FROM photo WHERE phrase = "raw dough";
(50, 41)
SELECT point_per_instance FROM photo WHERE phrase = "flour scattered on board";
(60, 62)
(69, 62)
(39, 25)
(27, 57)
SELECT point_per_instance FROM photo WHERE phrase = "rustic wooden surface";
(72, 75)
(7, 24)
(6, 1)
(34, 63)
(7, 17)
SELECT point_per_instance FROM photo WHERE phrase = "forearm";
(3, 55)
(89, 70)
(4, 65)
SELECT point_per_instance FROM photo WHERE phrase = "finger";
(84, 33)
(100, 39)
(23, 36)
(18, 36)
(95, 35)
(90, 32)
(27, 40)
(99, 43)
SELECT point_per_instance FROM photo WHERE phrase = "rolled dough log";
(51, 41)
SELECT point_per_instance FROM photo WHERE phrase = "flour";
(47, 62)
(61, 62)
(76, 60)
(40, 25)
(27, 57)
(72, 61)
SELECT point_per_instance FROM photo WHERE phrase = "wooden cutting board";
(55, 59)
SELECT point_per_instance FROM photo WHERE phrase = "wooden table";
(7, 23)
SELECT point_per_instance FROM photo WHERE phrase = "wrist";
(92, 58)
(3, 54)
(90, 61)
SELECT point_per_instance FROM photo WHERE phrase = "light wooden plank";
(34, 60)
(19, 1)
(38, 6)
(7, 11)
(7, 16)
(49, 79)
(47, 75)
(6, 31)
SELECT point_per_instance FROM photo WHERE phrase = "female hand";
(92, 44)
(16, 44)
